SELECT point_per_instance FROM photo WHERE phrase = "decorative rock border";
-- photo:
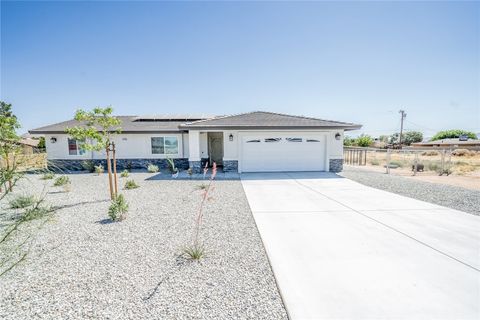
(336, 165)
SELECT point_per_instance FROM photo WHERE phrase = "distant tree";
(8, 145)
(96, 134)
(411, 137)
(41, 144)
(348, 142)
(384, 138)
(364, 141)
(449, 134)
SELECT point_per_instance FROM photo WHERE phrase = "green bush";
(35, 213)
(48, 176)
(364, 141)
(88, 165)
(99, 169)
(124, 174)
(449, 134)
(152, 168)
(131, 184)
(433, 166)
(118, 208)
(22, 201)
(61, 181)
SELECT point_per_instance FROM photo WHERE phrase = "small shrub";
(131, 184)
(202, 186)
(124, 173)
(88, 165)
(396, 163)
(21, 202)
(118, 208)
(433, 166)
(190, 172)
(35, 213)
(48, 176)
(152, 168)
(195, 252)
(99, 169)
(461, 152)
(375, 162)
(430, 153)
(61, 181)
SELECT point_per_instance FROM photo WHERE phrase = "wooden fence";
(355, 156)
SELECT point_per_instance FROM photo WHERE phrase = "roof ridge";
(219, 117)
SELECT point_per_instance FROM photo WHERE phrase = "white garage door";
(282, 152)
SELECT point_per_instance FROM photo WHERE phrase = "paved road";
(342, 250)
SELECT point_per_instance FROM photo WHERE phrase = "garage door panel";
(283, 152)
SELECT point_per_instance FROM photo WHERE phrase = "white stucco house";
(250, 142)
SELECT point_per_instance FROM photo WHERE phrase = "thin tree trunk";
(109, 169)
(115, 169)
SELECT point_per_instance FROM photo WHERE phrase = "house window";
(273, 139)
(74, 147)
(254, 140)
(313, 140)
(294, 139)
(164, 145)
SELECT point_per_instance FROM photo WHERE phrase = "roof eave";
(249, 127)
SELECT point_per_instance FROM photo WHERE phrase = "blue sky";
(349, 61)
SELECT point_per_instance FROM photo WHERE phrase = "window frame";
(165, 146)
(78, 151)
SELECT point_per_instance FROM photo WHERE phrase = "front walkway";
(341, 250)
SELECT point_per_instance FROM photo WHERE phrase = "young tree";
(364, 140)
(95, 134)
(8, 145)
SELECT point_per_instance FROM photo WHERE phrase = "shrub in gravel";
(152, 168)
(118, 208)
(61, 181)
(22, 201)
(124, 174)
(88, 165)
(48, 176)
(35, 213)
(131, 184)
(99, 169)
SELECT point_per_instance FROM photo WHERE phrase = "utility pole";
(404, 115)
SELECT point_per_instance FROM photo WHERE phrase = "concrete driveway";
(341, 250)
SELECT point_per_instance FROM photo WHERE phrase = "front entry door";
(215, 147)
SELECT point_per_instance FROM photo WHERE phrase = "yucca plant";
(99, 169)
(124, 174)
(197, 250)
(171, 165)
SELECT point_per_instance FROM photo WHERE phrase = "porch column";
(194, 158)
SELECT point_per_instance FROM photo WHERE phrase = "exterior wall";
(128, 146)
(61, 165)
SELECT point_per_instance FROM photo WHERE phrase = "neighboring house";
(449, 144)
(249, 142)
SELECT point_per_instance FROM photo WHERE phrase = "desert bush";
(433, 166)
(22, 201)
(397, 163)
(430, 153)
(88, 165)
(374, 162)
(61, 181)
(99, 169)
(194, 252)
(48, 176)
(131, 184)
(461, 152)
(118, 208)
(152, 168)
(124, 174)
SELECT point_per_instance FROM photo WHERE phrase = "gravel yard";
(449, 196)
(82, 266)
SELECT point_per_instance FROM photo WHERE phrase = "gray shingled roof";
(269, 120)
(129, 124)
(175, 123)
